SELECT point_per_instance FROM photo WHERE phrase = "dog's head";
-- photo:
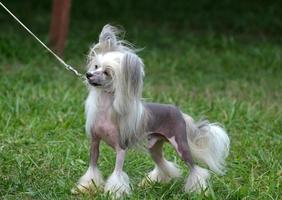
(113, 66)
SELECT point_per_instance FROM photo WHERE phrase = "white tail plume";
(209, 143)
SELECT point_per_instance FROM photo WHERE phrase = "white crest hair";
(127, 110)
(109, 40)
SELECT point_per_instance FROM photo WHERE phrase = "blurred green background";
(250, 21)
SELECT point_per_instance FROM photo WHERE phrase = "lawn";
(224, 69)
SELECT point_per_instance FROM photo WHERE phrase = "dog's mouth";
(94, 83)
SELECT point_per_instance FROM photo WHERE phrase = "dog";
(117, 115)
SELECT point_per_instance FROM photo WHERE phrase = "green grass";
(230, 77)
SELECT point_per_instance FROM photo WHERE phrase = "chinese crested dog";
(116, 114)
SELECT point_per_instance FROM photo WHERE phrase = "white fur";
(163, 173)
(126, 86)
(93, 100)
(208, 143)
(170, 169)
(118, 184)
(127, 105)
(90, 109)
(197, 180)
(92, 179)
(127, 83)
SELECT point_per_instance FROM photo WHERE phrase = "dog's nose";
(89, 75)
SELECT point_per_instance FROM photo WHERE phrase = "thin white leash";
(68, 67)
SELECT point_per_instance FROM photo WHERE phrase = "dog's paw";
(90, 186)
(118, 185)
(197, 181)
(169, 171)
(156, 175)
(92, 180)
(83, 188)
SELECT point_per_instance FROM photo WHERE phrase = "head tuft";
(108, 38)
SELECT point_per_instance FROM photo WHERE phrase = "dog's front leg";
(92, 179)
(118, 183)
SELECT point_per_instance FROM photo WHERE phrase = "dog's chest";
(105, 129)
(98, 122)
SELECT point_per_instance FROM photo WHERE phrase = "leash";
(67, 67)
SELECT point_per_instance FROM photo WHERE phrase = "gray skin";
(166, 123)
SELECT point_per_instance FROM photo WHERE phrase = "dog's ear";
(128, 83)
(132, 67)
(108, 38)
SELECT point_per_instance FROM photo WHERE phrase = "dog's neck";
(104, 100)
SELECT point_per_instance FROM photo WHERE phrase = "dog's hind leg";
(92, 179)
(164, 170)
(118, 183)
(198, 177)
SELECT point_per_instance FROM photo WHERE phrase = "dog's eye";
(96, 66)
(106, 73)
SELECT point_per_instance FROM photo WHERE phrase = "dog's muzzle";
(92, 79)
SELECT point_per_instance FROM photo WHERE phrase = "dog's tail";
(208, 142)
